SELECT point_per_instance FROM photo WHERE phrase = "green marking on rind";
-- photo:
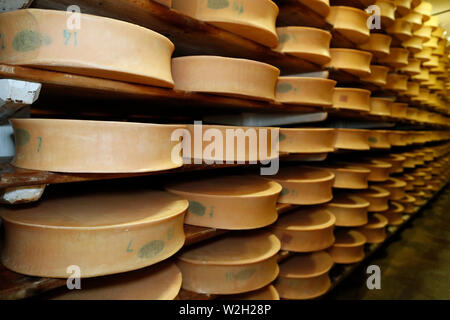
(373, 140)
(284, 87)
(151, 249)
(282, 38)
(197, 208)
(284, 192)
(241, 275)
(29, 40)
(22, 137)
(281, 137)
(218, 4)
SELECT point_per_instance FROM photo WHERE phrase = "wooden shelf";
(190, 36)
(15, 286)
(295, 13)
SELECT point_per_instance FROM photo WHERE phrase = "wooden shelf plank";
(190, 36)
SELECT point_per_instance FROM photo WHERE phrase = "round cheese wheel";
(348, 247)
(101, 233)
(432, 62)
(304, 185)
(396, 82)
(83, 146)
(394, 214)
(424, 8)
(396, 187)
(379, 139)
(397, 138)
(413, 67)
(375, 229)
(432, 43)
(100, 47)
(408, 203)
(377, 197)
(352, 139)
(424, 75)
(304, 276)
(351, 99)
(322, 7)
(229, 202)
(355, 62)
(310, 44)
(379, 45)
(395, 160)
(350, 23)
(305, 230)
(254, 20)
(423, 55)
(439, 32)
(423, 32)
(379, 170)
(348, 176)
(403, 7)
(397, 58)
(233, 264)
(305, 91)
(414, 18)
(349, 210)
(159, 282)
(380, 106)
(414, 44)
(387, 12)
(401, 29)
(225, 76)
(307, 141)
(378, 75)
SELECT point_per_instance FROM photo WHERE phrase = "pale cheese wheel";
(387, 12)
(351, 99)
(424, 75)
(225, 76)
(310, 44)
(101, 233)
(81, 146)
(305, 91)
(432, 43)
(230, 202)
(233, 264)
(424, 54)
(322, 7)
(159, 282)
(379, 170)
(305, 230)
(267, 293)
(349, 210)
(423, 32)
(414, 18)
(101, 47)
(254, 20)
(355, 62)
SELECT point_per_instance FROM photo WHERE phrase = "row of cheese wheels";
(123, 147)
(105, 236)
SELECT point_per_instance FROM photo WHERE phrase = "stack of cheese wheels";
(349, 210)
(305, 91)
(229, 202)
(379, 170)
(267, 293)
(305, 230)
(94, 146)
(348, 176)
(158, 282)
(351, 99)
(310, 44)
(375, 230)
(394, 214)
(409, 179)
(254, 20)
(377, 197)
(225, 76)
(348, 247)
(395, 160)
(352, 139)
(101, 233)
(355, 62)
(304, 276)
(304, 185)
(307, 140)
(396, 187)
(408, 203)
(211, 144)
(233, 264)
(103, 47)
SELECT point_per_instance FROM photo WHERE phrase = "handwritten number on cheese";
(70, 37)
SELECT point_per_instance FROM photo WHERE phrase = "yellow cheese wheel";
(101, 47)
(93, 146)
(397, 58)
(414, 44)
(305, 91)
(352, 139)
(400, 29)
(375, 229)
(250, 19)
(349, 210)
(413, 67)
(348, 246)
(349, 22)
(380, 106)
(101, 233)
(225, 76)
(351, 99)
(379, 45)
(356, 62)
(307, 140)
(378, 75)
(396, 82)
(403, 6)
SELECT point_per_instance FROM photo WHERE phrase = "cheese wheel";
(378, 75)
(349, 22)
(414, 18)
(432, 43)
(310, 44)
(348, 176)
(233, 264)
(322, 7)
(229, 202)
(408, 203)
(375, 230)
(225, 76)
(305, 91)
(387, 12)
(348, 246)
(351, 99)
(439, 32)
(396, 82)
(352, 139)
(423, 32)
(397, 58)
(432, 62)
(399, 109)
(101, 233)
(304, 276)
(254, 20)
(159, 282)
(424, 75)
(403, 6)
(101, 47)
(349, 210)
(379, 45)
(414, 44)
(424, 8)
(307, 141)
(377, 197)
(81, 146)
(380, 106)
(267, 293)
(401, 29)
(397, 138)
(355, 62)
(424, 54)
(379, 170)
(304, 185)
(394, 214)
(396, 187)
(395, 160)
(412, 68)
(305, 230)
(378, 139)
